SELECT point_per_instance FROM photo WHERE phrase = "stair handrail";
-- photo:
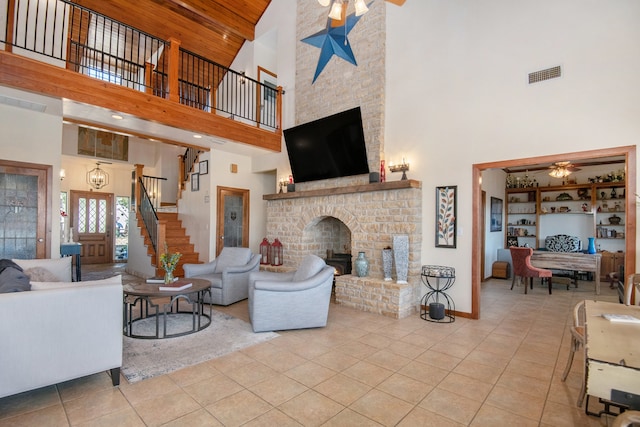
(187, 162)
(156, 228)
(152, 185)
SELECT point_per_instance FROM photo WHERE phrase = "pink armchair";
(521, 260)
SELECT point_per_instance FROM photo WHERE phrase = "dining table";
(612, 352)
(570, 261)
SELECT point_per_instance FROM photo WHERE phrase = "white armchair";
(294, 300)
(228, 274)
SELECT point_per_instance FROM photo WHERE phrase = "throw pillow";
(309, 267)
(232, 257)
(13, 280)
(60, 267)
(39, 274)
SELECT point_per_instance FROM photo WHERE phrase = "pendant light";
(97, 178)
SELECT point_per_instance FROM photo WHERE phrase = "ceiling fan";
(338, 9)
(562, 169)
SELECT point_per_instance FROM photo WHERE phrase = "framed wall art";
(446, 216)
(203, 167)
(195, 181)
(496, 214)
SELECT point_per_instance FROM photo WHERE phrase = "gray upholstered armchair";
(294, 300)
(228, 274)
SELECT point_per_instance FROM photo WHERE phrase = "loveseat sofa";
(59, 331)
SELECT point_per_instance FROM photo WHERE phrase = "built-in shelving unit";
(585, 210)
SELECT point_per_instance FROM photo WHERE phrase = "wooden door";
(92, 222)
(232, 224)
(24, 212)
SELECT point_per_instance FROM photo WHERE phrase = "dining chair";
(633, 281)
(577, 342)
(521, 260)
(627, 419)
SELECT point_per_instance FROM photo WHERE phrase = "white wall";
(457, 93)
(198, 209)
(34, 137)
(280, 17)
(493, 184)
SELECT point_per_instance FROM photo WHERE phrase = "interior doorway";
(629, 155)
(232, 222)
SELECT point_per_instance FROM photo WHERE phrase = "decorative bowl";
(614, 220)
(564, 196)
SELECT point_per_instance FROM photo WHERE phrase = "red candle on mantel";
(382, 175)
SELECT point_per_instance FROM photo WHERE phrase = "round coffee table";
(145, 300)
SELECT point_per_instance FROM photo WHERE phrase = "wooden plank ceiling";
(214, 29)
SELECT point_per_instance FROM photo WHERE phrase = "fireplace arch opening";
(331, 239)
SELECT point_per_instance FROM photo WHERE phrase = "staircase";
(177, 241)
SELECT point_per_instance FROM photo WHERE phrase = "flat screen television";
(331, 147)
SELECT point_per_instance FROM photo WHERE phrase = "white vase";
(401, 256)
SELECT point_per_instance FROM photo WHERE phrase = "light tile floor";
(362, 369)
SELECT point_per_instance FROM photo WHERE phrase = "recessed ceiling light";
(196, 136)
(117, 116)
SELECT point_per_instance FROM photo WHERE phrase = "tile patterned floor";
(362, 369)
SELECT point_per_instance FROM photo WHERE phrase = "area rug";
(147, 358)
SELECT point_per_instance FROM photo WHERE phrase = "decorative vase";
(401, 256)
(387, 263)
(362, 265)
(592, 245)
(168, 277)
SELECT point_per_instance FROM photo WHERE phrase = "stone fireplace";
(352, 219)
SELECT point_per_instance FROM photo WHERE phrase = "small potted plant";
(169, 261)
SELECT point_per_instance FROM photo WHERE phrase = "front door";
(23, 210)
(91, 221)
(232, 218)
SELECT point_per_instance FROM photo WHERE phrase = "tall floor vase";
(401, 256)
(387, 263)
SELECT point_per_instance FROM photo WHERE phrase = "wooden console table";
(572, 261)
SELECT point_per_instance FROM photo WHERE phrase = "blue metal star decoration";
(333, 41)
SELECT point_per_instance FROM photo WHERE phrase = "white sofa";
(59, 331)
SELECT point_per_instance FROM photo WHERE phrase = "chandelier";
(97, 178)
(340, 6)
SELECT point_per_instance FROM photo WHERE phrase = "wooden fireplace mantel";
(361, 188)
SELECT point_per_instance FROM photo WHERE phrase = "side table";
(437, 279)
(73, 249)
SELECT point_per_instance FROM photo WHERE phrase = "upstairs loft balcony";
(60, 49)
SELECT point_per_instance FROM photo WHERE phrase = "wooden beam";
(213, 13)
(27, 74)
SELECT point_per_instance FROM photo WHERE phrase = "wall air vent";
(21, 103)
(549, 73)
